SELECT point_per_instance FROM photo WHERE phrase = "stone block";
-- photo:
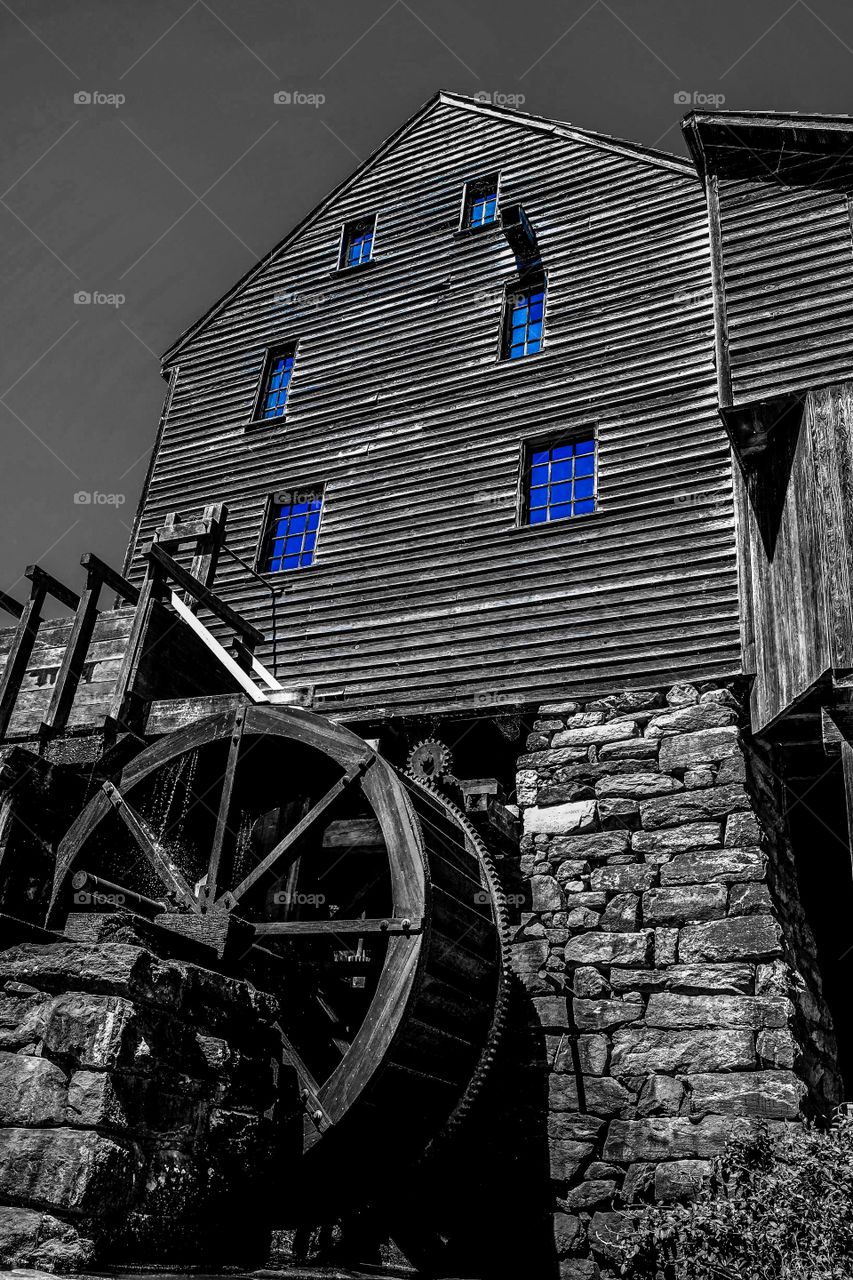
(601, 1015)
(582, 918)
(693, 806)
(742, 829)
(738, 938)
(722, 866)
(776, 1047)
(682, 695)
(736, 979)
(33, 1239)
(666, 946)
(597, 846)
(665, 1138)
(618, 815)
(660, 1096)
(693, 835)
(681, 1179)
(527, 959)
(561, 819)
(645, 1051)
(750, 900)
(545, 894)
(636, 786)
(93, 1102)
(737, 1012)
(628, 749)
(589, 984)
(590, 1194)
(579, 1269)
(595, 734)
(67, 1170)
(622, 914)
(32, 1091)
(603, 1096)
(772, 1095)
(628, 949)
(705, 715)
(537, 761)
(89, 1030)
(689, 902)
(593, 1053)
(568, 1233)
(567, 1158)
(705, 746)
(631, 877)
(580, 1127)
(642, 980)
(551, 1011)
(639, 1182)
(696, 778)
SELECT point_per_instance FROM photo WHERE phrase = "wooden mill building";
(504, 511)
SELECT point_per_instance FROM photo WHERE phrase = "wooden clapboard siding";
(799, 566)
(424, 593)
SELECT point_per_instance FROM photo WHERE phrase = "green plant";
(779, 1207)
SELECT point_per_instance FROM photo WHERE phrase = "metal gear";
(429, 760)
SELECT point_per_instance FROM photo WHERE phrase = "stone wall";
(137, 1104)
(668, 967)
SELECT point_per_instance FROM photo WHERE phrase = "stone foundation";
(669, 969)
(137, 1109)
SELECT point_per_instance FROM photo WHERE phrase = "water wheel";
(375, 894)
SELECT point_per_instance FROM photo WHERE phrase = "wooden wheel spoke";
(289, 843)
(355, 928)
(150, 847)
(308, 1086)
(224, 805)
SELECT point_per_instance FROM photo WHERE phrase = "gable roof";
(718, 138)
(558, 128)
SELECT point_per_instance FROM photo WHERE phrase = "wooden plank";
(110, 577)
(10, 605)
(316, 928)
(166, 869)
(224, 810)
(230, 664)
(249, 634)
(19, 654)
(71, 667)
(167, 715)
(135, 646)
(45, 582)
(206, 557)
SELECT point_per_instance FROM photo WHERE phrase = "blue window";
(357, 244)
(524, 311)
(277, 376)
(481, 203)
(560, 480)
(291, 535)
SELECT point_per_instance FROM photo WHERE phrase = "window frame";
(273, 500)
(342, 265)
(549, 439)
(463, 227)
(529, 281)
(257, 419)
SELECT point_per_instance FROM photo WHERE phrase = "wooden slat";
(416, 429)
(203, 595)
(319, 928)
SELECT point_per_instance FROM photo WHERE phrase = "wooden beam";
(110, 577)
(147, 842)
(51, 586)
(302, 928)
(209, 545)
(155, 554)
(293, 837)
(20, 653)
(224, 805)
(10, 605)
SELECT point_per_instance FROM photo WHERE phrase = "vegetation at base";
(779, 1207)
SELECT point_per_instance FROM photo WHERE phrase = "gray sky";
(165, 199)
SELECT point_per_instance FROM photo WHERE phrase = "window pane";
(584, 508)
(539, 516)
(292, 535)
(586, 446)
(561, 512)
(561, 470)
(585, 466)
(584, 488)
(561, 484)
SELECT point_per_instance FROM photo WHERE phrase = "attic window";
(559, 478)
(276, 380)
(480, 203)
(357, 242)
(524, 313)
(290, 537)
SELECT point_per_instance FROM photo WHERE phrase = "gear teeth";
(441, 754)
(502, 997)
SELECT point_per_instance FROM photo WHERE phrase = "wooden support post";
(847, 768)
(10, 605)
(41, 585)
(150, 591)
(206, 557)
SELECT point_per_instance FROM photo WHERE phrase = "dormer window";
(276, 380)
(357, 242)
(523, 319)
(480, 204)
